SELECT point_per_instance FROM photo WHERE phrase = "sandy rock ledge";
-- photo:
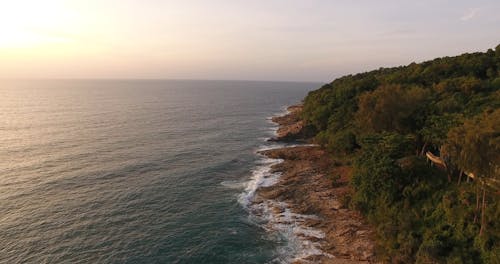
(306, 186)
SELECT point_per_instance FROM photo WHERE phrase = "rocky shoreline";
(291, 127)
(311, 183)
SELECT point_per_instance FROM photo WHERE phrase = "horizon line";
(148, 79)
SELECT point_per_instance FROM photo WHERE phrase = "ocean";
(137, 171)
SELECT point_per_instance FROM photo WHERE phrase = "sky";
(290, 40)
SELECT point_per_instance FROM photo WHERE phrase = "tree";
(390, 108)
(475, 147)
(436, 129)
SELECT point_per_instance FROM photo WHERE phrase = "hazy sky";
(308, 40)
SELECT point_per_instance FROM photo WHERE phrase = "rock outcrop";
(291, 126)
(313, 184)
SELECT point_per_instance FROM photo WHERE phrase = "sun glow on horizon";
(232, 39)
(36, 24)
(51, 39)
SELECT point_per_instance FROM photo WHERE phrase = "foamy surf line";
(277, 217)
(284, 111)
(302, 239)
(261, 176)
(273, 130)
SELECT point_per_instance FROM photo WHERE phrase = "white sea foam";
(273, 130)
(283, 145)
(269, 147)
(302, 240)
(234, 184)
(261, 176)
(275, 216)
(284, 111)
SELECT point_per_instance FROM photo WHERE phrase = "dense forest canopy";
(387, 120)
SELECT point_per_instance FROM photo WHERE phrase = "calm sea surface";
(134, 171)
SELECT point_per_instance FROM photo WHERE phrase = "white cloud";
(471, 13)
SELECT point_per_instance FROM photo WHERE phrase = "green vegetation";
(387, 120)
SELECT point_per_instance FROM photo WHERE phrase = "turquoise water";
(134, 171)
